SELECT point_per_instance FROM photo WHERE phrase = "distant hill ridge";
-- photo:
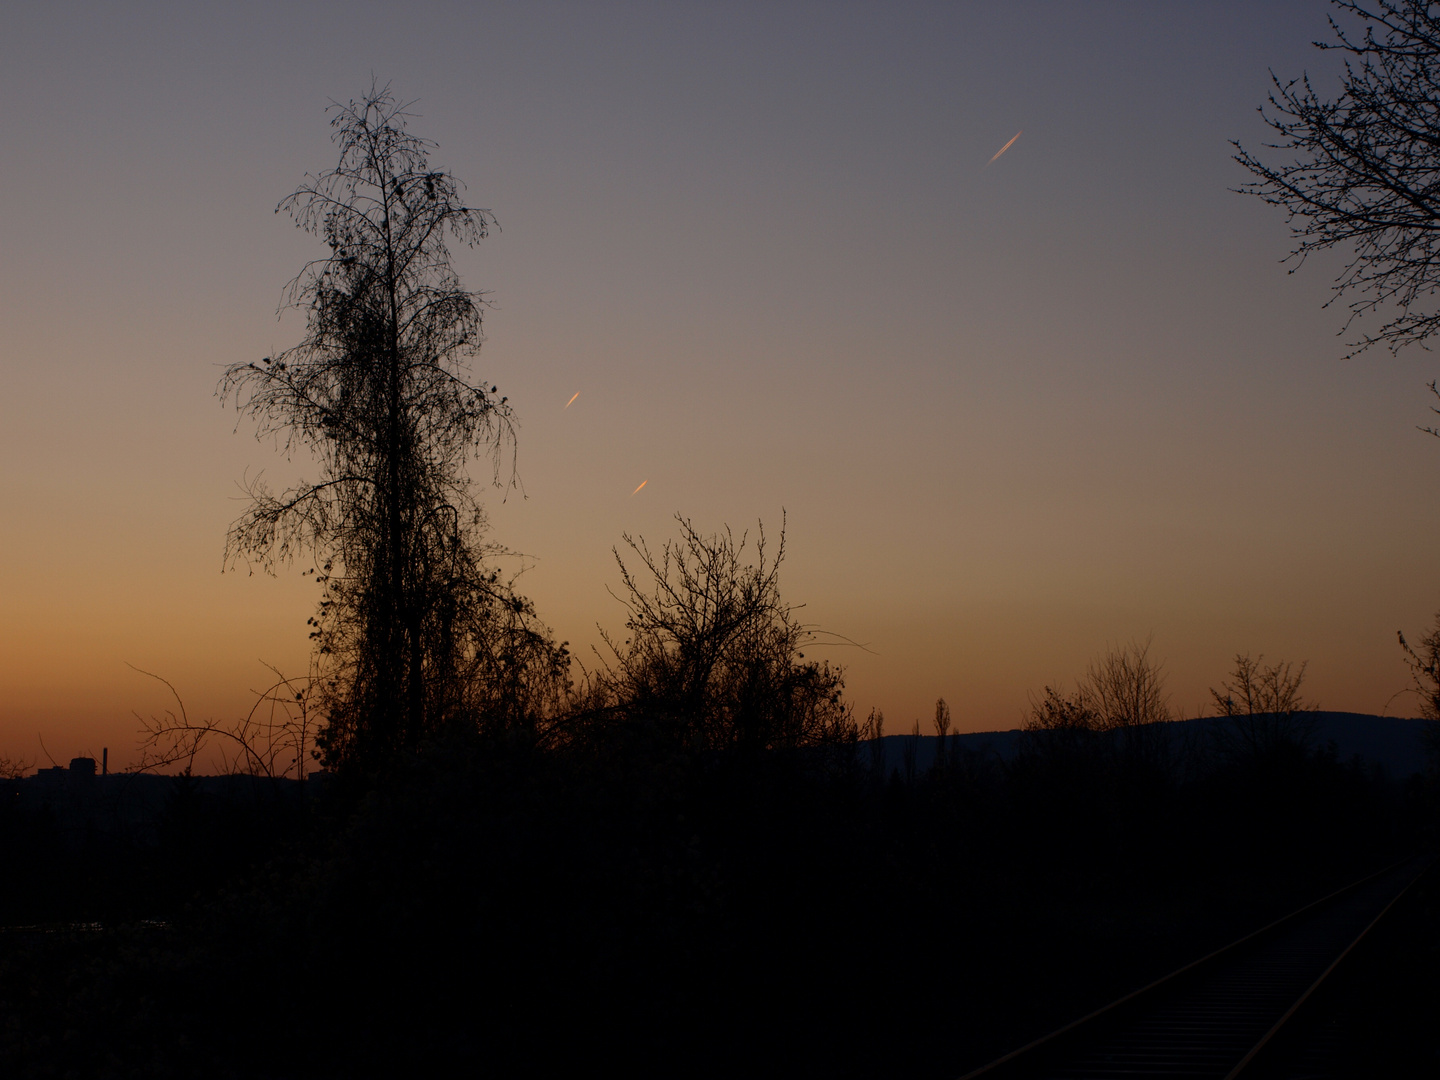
(1394, 743)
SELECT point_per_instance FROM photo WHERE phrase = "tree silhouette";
(1266, 711)
(1124, 689)
(1127, 689)
(714, 656)
(1365, 175)
(412, 626)
(1424, 668)
(1424, 665)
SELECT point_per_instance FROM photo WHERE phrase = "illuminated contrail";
(1005, 147)
(642, 484)
(572, 400)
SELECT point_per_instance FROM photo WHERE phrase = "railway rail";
(1211, 1017)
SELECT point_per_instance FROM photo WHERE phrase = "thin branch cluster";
(274, 740)
(1365, 171)
(714, 655)
(1424, 665)
(1266, 710)
(1124, 689)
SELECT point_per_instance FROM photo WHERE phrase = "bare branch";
(1364, 175)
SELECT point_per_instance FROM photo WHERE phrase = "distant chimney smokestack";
(104, 761)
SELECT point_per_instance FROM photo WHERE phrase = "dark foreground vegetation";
(693, 860)
(624, 901)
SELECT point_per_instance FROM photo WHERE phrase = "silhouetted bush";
(713, 659)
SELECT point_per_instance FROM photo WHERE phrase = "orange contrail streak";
(1005, 147)
(642, 484)
(572, 400)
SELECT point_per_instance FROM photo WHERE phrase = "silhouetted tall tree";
(1365, 175)
(413, 631)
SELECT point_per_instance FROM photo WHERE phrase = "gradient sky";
(1015, 413)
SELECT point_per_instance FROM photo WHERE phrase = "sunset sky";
(1014, 412)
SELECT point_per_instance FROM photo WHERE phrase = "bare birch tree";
(414, 631)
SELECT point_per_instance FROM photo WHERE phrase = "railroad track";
(1210, 1018)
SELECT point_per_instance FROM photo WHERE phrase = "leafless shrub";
(714, 655)
(1126, 689)
(1057, 712)
(1112, 717)
(1123, 689)
(1264, 707)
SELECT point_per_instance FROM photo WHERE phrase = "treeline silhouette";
(704, 864)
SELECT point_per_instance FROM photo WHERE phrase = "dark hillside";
(1395, 744)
